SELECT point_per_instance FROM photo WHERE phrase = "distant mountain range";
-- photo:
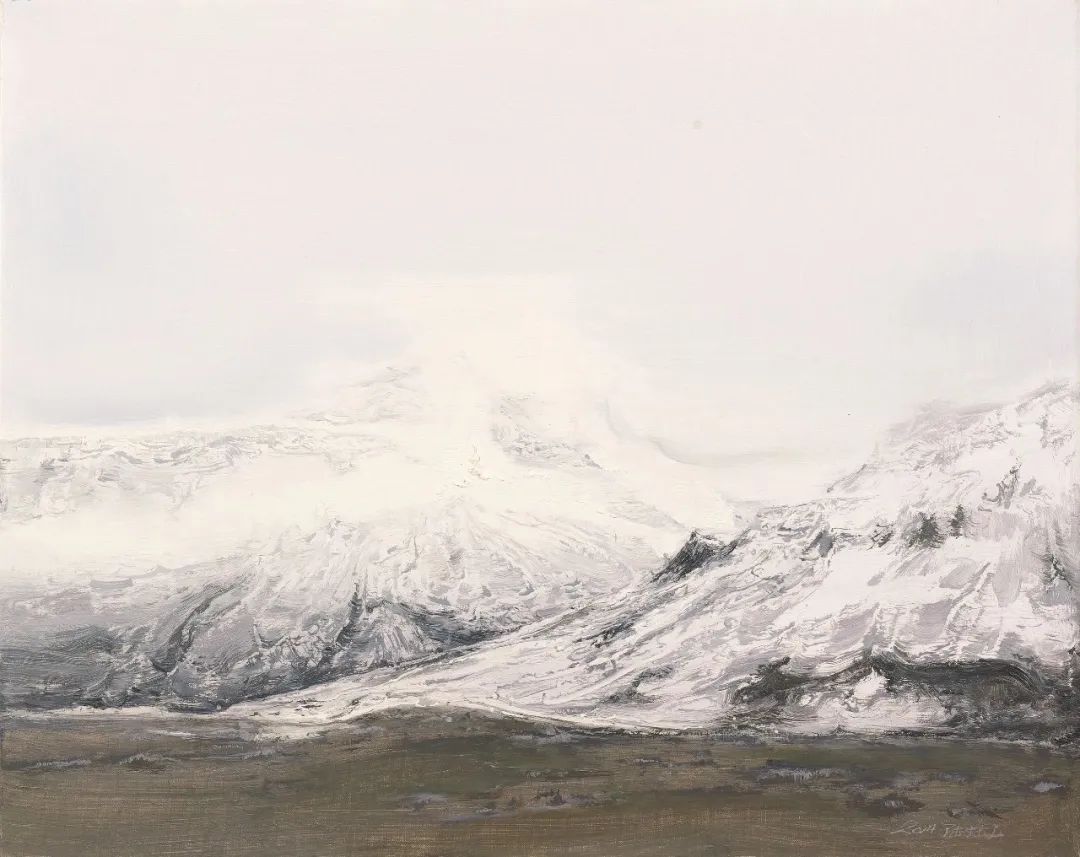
(412, 516)
(504, 557)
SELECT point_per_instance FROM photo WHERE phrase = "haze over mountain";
(436, 540)
(501, 355)
(423, 508)
(934, 587)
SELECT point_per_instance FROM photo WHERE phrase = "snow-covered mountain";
(420, 510)
(934, 587)
(425, 539)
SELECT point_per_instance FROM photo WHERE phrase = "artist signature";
(950, 830)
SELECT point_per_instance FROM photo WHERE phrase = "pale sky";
(799, 220)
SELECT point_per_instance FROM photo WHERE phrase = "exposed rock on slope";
(934, 588)
(410, 517)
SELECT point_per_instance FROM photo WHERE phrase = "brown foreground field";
(452, 783)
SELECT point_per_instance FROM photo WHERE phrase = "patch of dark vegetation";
(997, 681)
(770, 681)
(958, 523)
(926, 533)
(986, 696)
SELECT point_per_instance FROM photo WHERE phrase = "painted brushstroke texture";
(838, 613)
(503, 560)
(419, 512)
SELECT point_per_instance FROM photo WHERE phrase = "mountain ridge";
(216, 567)
(837, 613)
(932, 588)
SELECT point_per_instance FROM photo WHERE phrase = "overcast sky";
(798, 219)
